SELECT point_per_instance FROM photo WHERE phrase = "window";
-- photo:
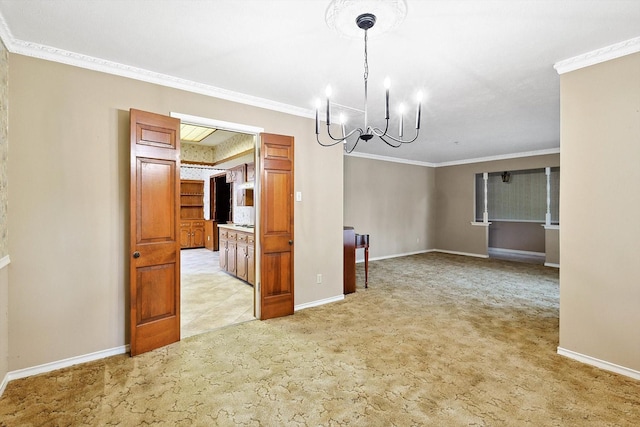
(523, 197)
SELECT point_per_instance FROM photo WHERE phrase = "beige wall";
(520, 236)
(455, 201)
(552, 246)
(4, 323)
(392, 202)
(69, 169)
(4, 196)
(599, 206)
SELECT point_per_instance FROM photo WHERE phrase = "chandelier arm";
(344, 137)
(330, 144)
(389, 143)
(379, 134)
(355, 144)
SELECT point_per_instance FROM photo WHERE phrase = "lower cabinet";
(237, 254)
(211, 235)
(191, 234)
(251, 262)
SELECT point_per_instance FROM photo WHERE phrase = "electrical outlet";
(319, 279)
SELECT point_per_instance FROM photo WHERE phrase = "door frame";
(251, 130)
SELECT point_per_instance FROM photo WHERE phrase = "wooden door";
(154, 223)
(276, 226)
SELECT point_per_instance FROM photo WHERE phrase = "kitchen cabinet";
(251, 172)
(211, 235)
(223, 241)
(236, 174)
(191, 199)
(251, 261)
(244, 256)
(191, 213)
(227, 241)
(245, 197)
(237, 252)
(191, 234)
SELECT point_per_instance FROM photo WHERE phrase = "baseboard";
(3, 384)
(65, 363)
(516, 252)
(551, 264)
(460, 253)
(395, 255)
(4, 261)
(602, 364)
(318, 302)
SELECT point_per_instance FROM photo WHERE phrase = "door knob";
(136, 254)
(291, 242)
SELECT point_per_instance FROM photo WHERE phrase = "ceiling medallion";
(341, 14)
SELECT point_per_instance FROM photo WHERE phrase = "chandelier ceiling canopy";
(341, 14)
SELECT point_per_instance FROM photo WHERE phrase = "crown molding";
(597, 56)
(50, 53)
(391, 159)
(456, 162)
(501, 157)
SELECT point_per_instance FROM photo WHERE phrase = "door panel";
(197, 235)
(155, 192)
(155, 248)
(231, 256)
(276, 226)
(156, 299)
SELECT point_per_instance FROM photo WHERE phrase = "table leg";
(366, 267)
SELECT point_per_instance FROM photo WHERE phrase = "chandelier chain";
(366, 59)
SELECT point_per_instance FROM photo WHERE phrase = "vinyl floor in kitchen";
(210, 298)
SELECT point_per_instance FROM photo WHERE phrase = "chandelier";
(365, 22)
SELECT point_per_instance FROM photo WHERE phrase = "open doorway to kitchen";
(217, 174)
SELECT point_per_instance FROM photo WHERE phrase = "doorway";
(210, 297)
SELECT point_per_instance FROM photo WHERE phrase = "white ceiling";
(486, 67)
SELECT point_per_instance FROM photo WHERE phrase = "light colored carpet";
(436, 340)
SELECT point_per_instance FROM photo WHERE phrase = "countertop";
(237, 228)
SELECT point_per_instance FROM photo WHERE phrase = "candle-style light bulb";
(401, 126)
(387, 85)
(317, 118)
(328, 93)
(419, 110)
(343, 122)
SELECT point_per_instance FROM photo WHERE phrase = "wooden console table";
(352, 241)
(362, 241)
(349, 261)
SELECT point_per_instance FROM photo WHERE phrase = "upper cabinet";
(191, 199)
(243, 175)
(251, 172)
